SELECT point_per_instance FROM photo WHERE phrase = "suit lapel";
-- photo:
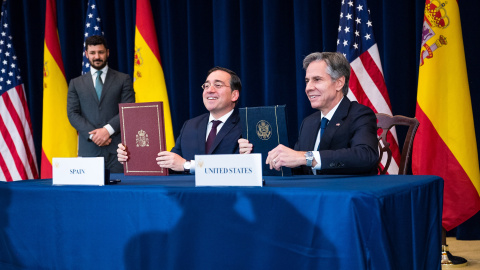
(335, 123)
(87, 79)
(201, 134)
(109, 79)
(314, 128)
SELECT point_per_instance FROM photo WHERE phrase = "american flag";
(17, 152)
(367, 85)
(93, 27)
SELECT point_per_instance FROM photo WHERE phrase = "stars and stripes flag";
(367, 85)
(93, 26)
(17, 151)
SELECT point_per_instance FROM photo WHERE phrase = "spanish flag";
(445, 143)
(59, 138)
(149, 82)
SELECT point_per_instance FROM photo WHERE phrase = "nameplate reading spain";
(78, 171)
(228, 170)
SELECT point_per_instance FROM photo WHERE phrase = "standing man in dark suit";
(221, 92)
(92, 105)
(341, 138)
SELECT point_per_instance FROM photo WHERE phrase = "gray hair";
(337, 66)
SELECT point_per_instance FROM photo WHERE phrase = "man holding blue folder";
(341, 138)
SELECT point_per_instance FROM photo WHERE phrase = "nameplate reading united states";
(143, 134)
(228, 170)
(78, 171)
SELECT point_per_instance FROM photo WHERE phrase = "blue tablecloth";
(311, 222)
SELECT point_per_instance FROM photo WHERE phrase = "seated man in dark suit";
(221, 92)
(345, 142)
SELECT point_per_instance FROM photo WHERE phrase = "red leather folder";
(143, 133)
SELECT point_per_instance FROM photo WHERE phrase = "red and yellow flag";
(445, 143)
(149, 81)
(59, 138)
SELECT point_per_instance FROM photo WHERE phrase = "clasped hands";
(277, 157)
(101, 136)
(165, 159)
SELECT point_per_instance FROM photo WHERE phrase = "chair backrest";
(386, 122)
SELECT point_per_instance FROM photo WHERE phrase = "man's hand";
(107, 142)
(244, 146)
(284, 156)
(101, 137)
(170, 160)
(122, 153)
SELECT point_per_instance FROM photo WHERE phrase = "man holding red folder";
(216, 132)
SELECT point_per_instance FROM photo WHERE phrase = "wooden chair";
(386, 122)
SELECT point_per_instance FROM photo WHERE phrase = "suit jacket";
(86, 112)
(191, 140)
(349, 144)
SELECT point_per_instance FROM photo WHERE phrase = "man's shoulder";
(234, 118)
(360, 108)
(198, 119)
(348, 108)
(110, 71)
(315, 115)
(82, 76)
(116, 73)
(359, 114)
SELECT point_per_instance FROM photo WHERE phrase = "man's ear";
(339, 83)
(235, 95)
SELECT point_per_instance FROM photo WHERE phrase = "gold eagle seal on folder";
(264, 130)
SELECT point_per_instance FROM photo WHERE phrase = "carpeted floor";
(469, 250)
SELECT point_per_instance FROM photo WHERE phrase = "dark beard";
(99, 67)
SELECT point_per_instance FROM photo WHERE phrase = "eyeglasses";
(217, 85)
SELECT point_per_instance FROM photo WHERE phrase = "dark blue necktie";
(323, 126)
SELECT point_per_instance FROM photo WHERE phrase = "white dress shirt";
(316, 154)
(209, 127)
(94, 78)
